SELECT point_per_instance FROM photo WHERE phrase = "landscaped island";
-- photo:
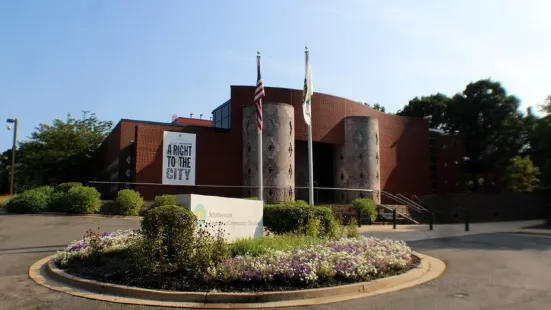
(171, 253)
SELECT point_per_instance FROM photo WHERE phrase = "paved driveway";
(485, 271)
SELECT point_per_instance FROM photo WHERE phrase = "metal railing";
(404, 202)
(420, 207)
(415, 210)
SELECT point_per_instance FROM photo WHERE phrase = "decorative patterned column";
(278, 155)
(357, 162)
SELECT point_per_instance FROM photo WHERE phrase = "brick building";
(355, 147)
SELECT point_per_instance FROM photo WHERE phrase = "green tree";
(376, 106)
(60, 152)
(489, 121)
(522, 175)
(432, 108)
(5, 166)
(546, 107)
(539, 146)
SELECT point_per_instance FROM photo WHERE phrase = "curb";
(534, 233)
(46, 273)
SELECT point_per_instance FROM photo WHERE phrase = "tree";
(5, 166)
(546, 107)
(522, 175)
(489, 121)
(432, 108)
(376, 106)
(61, 152)
(539, 145)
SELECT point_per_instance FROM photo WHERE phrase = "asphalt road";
(487, 271)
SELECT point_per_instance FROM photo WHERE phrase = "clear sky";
(149, 60)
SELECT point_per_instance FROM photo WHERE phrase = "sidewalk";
(422, 232)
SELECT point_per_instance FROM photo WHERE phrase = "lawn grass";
(287, 242)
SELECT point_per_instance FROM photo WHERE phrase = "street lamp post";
(12, 173)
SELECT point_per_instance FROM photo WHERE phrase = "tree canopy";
(432, 108)
(522, 175)
(376, 106)
(493, 128)
(56, 153)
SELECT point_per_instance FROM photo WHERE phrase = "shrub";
(65, 187)
(299, 217)
(252, 198)
(367, 207)
(210, 250)
(82, 200)
(57, 202)
(167, 239)
(128, 202)
(328, 223)
(164, 200)
(47, 190)
(30, 201)
(170, 242)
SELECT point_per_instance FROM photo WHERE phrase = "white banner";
(178, 158)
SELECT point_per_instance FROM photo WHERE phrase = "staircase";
(403, 216)
(413, 210)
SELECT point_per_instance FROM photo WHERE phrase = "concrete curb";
(533, 233)
(46, 273)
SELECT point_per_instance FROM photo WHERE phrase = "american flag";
(258, 95)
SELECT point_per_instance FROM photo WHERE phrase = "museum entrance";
(323, 171)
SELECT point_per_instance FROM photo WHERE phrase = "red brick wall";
(107, 153)
(404, 141)
(218, 161)
(404, 144)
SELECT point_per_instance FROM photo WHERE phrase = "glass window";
(218, 124)
(217, 115)
(225, 110)
(225, 123)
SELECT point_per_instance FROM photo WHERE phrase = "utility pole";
(12, 174)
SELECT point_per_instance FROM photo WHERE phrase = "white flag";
(307, 94)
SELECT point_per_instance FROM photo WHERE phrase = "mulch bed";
(114, 269)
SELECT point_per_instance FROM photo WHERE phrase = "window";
(222, 116)
(225, 111)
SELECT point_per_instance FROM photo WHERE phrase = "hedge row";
(72, 199)
(299, 217)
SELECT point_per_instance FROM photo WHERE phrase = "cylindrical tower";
(357, 161)
(278, 151)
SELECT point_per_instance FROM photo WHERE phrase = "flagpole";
(260, 174)
(310, 151)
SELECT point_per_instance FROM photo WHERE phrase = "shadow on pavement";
(491, 241)
(28, 252)
(58, 246)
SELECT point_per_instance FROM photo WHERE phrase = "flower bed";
(330, 263)
(350, 259)
(109, 241)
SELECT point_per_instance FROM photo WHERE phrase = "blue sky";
(149, 60)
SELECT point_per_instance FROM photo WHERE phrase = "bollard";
(431, 220)
(467, 221)
(359, 217)
(394, 219)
